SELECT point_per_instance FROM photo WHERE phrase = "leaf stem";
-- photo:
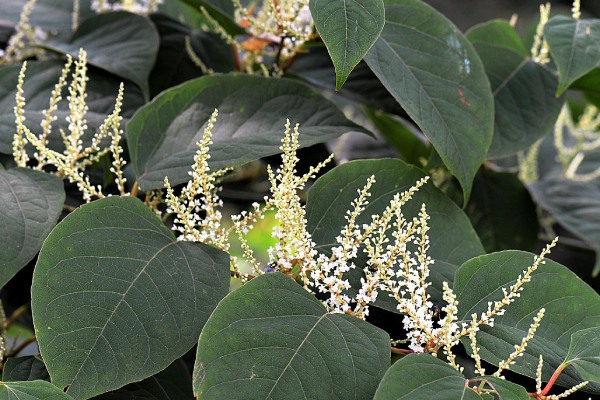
(401, 351)
(550, 383)
(16, 314)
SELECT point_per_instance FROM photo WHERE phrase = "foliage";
(386, 278)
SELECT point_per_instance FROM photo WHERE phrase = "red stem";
(550, 383)
(401, 351)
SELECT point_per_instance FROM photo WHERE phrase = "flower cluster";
(142, 7)
(75, 158)
(22, 44)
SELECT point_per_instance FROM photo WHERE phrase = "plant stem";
(550, 383)
(401, 351)
(16, 314)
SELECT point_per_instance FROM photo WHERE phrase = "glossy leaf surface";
(31, 390)
(584, 353)
(271, 339)
(575, 47)
(348, 28)
(433, 71)
(162, 136)
(136, 298)
(30, 204)
(570, 304)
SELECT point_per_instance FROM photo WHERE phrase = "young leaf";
(433, 71)
(31, 390)
(453, 240)
(348, 29)
(575, 47)
(525, 105)
(28, 368)
(422, 376)
(162, 136)
(584, 353)
(122, 43)
(30, 204)
(271, 339)
(571, 305)
(115, 298)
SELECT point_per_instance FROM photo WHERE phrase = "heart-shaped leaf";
(571, 305)
(30, 204)
(40, 78)
(422, 376)
(136, 299)
(584, 353)
(525, 105)
(452, 238)
(271, 339)
(348, 28)
(162, 136)
(433, 71)
(122, 43)
(31, 390)
(575, 47)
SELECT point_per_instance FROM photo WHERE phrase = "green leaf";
(271, 339)
(122, 43)
(574, 204)
(40, 78)
(452, 238)
(502, 212)
(30, 204)
(571, 305)
(525, 105)
(505, 390)
(136, 299)
(173, 383)
(584, 353)
(50, 15)
(422, 376)
(433, 71)
(348, 28)
(28, 368)
(173, 63)
(162, 136)
(31, 390)
(575, 47)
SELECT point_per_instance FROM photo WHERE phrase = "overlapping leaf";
(52, 15)
(271, 339)
(122, 43)
(30, 204)
(452, 238)
(525, 105)
(31, 390)
(433, 71)
(162, 136)
(348, 29)
(27, 368)
(422, 376)
(40, 78)
(115, 298)
(571, 305)
(575, 47)
(584, 353)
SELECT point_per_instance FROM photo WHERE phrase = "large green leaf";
(50, 15)
(271, 339)
(27, 368)
(502, 212)
(173, 383)
(574, 204)
(422, 376)
(525, 105)
(452, 238)
(575, 47)
(31, 390)
(162, 136)
(30, 204)
(136, 299)
(571, 305)
(505, 390)
(584, 353)
(122, 43)
(40, 78)
(435, 74)
(348, 28)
